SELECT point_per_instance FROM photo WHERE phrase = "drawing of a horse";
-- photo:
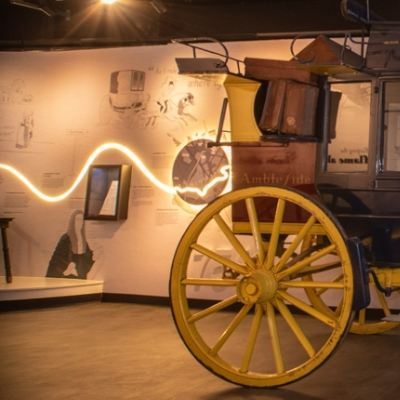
(172, 109)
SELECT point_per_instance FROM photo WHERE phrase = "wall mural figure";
(168, 88)
(25, 130)
(72, 257)
(196, 166)
(127, 99)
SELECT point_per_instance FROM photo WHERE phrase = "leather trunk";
(271, 118)
(269, 70)
(299, 114)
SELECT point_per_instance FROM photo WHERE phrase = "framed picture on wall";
(107, 192)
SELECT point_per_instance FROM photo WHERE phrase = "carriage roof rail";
(379, 53)
(353, 11)
(383, 53)
(324, 56)
(223, 64)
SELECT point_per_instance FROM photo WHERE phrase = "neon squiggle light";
(134, 158)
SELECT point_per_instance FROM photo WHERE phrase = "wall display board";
(107, 193)
(61, 112)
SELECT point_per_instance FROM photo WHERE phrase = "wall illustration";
(15, 93)
(128, 99)
(72, 257)
(134, 98)
(25, 130)
(125, 98)
(196, 166)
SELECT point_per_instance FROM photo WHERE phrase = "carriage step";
(392, 318)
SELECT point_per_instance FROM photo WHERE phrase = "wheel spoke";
(210, 282)
(298, 266)
(280, 209)
(231, 328)
(255, 228)
(224, 261)
(307, 309)
(273, 331)
(210, 310)
(361, 316)
(313, 269)
(255, 327)
(383, 302)
(296, 242)
(311, 284)
(320, 292)
(234, 241)
(288, 316)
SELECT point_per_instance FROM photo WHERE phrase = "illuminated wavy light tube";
(134, 158)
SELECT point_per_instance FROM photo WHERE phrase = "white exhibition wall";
(55, 98)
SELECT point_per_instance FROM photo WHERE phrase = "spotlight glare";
(159, 6)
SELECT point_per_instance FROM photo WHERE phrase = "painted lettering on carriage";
(286, 180)
(357, 160)
(351, 152)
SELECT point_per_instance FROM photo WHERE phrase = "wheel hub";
(257, 287)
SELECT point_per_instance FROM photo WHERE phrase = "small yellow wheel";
(259, 330)
(367, 324)
(366, 321)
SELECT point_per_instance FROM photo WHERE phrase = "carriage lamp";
(169, 189)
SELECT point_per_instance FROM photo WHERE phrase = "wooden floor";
(118, 351)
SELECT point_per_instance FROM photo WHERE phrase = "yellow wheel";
(259, 330)
(369, 321)
(366, 321)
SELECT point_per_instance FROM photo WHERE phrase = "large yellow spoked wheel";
(366, 321)
(258, 328)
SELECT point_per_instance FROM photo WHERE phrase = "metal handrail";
(227, 57)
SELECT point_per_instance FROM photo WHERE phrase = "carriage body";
(351, 165)
(316, 186)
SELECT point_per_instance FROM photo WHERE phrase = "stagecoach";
(306, 247)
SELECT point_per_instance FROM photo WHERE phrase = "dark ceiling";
(76, 24)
